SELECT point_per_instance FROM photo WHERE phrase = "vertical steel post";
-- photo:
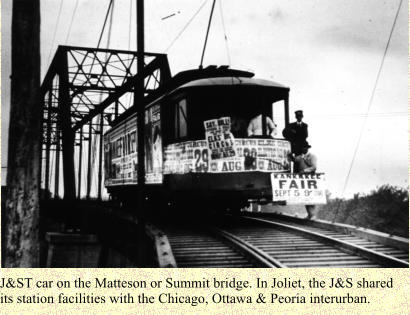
(263, 117)
(287, 111)
(90, 128)
(100, 155)
(116, 109)
(80, 157)
(139, 99)
(139, 102)
(67, 133)
(48, 143)
(57, 172)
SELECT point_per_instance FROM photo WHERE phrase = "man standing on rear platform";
(306, 163)
(297, 133)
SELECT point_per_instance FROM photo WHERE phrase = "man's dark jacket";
(297, 135)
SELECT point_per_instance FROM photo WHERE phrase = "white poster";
(299, 188)
(219, 137)
(261, 155)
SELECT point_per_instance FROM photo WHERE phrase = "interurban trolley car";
(197, 143)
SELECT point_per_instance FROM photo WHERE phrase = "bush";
(384, 209)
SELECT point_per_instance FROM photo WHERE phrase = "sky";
(327, 52)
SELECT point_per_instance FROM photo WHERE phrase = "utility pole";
(20, 241)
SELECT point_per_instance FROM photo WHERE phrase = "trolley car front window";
(248, 109)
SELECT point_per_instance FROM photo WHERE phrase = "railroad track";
(389, 245)
(269, 242)
(298, 247)
(211, 248)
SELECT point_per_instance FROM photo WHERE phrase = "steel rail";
(162, 247)
(248, 249)
(385, 260)
(382, 238)
(204, 248)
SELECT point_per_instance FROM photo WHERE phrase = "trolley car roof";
(211, 76)
(232, 81)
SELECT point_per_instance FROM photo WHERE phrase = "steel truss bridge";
(83, 92)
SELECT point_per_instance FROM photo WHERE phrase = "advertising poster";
(186, 157)
(299, 188)
(219, 137)
(153, 145)
(121, 160)
(264, 155)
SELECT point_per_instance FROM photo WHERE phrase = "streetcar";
(197, 143)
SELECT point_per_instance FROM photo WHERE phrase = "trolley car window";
(278, 114)
(181, 129)
(132, 136)
(119, 147)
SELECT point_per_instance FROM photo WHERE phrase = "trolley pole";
(20, 239)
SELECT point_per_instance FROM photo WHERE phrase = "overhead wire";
(369, 104)
(55, 31)
(102, 32)
(71, 22)
(94, 144)
(129, 25)
(186, 26)
(225, 36)
(99, 117)
(109, 10)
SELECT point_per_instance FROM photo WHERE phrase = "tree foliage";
(385, 209)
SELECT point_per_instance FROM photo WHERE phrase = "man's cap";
(306, 145)
(300, 112)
